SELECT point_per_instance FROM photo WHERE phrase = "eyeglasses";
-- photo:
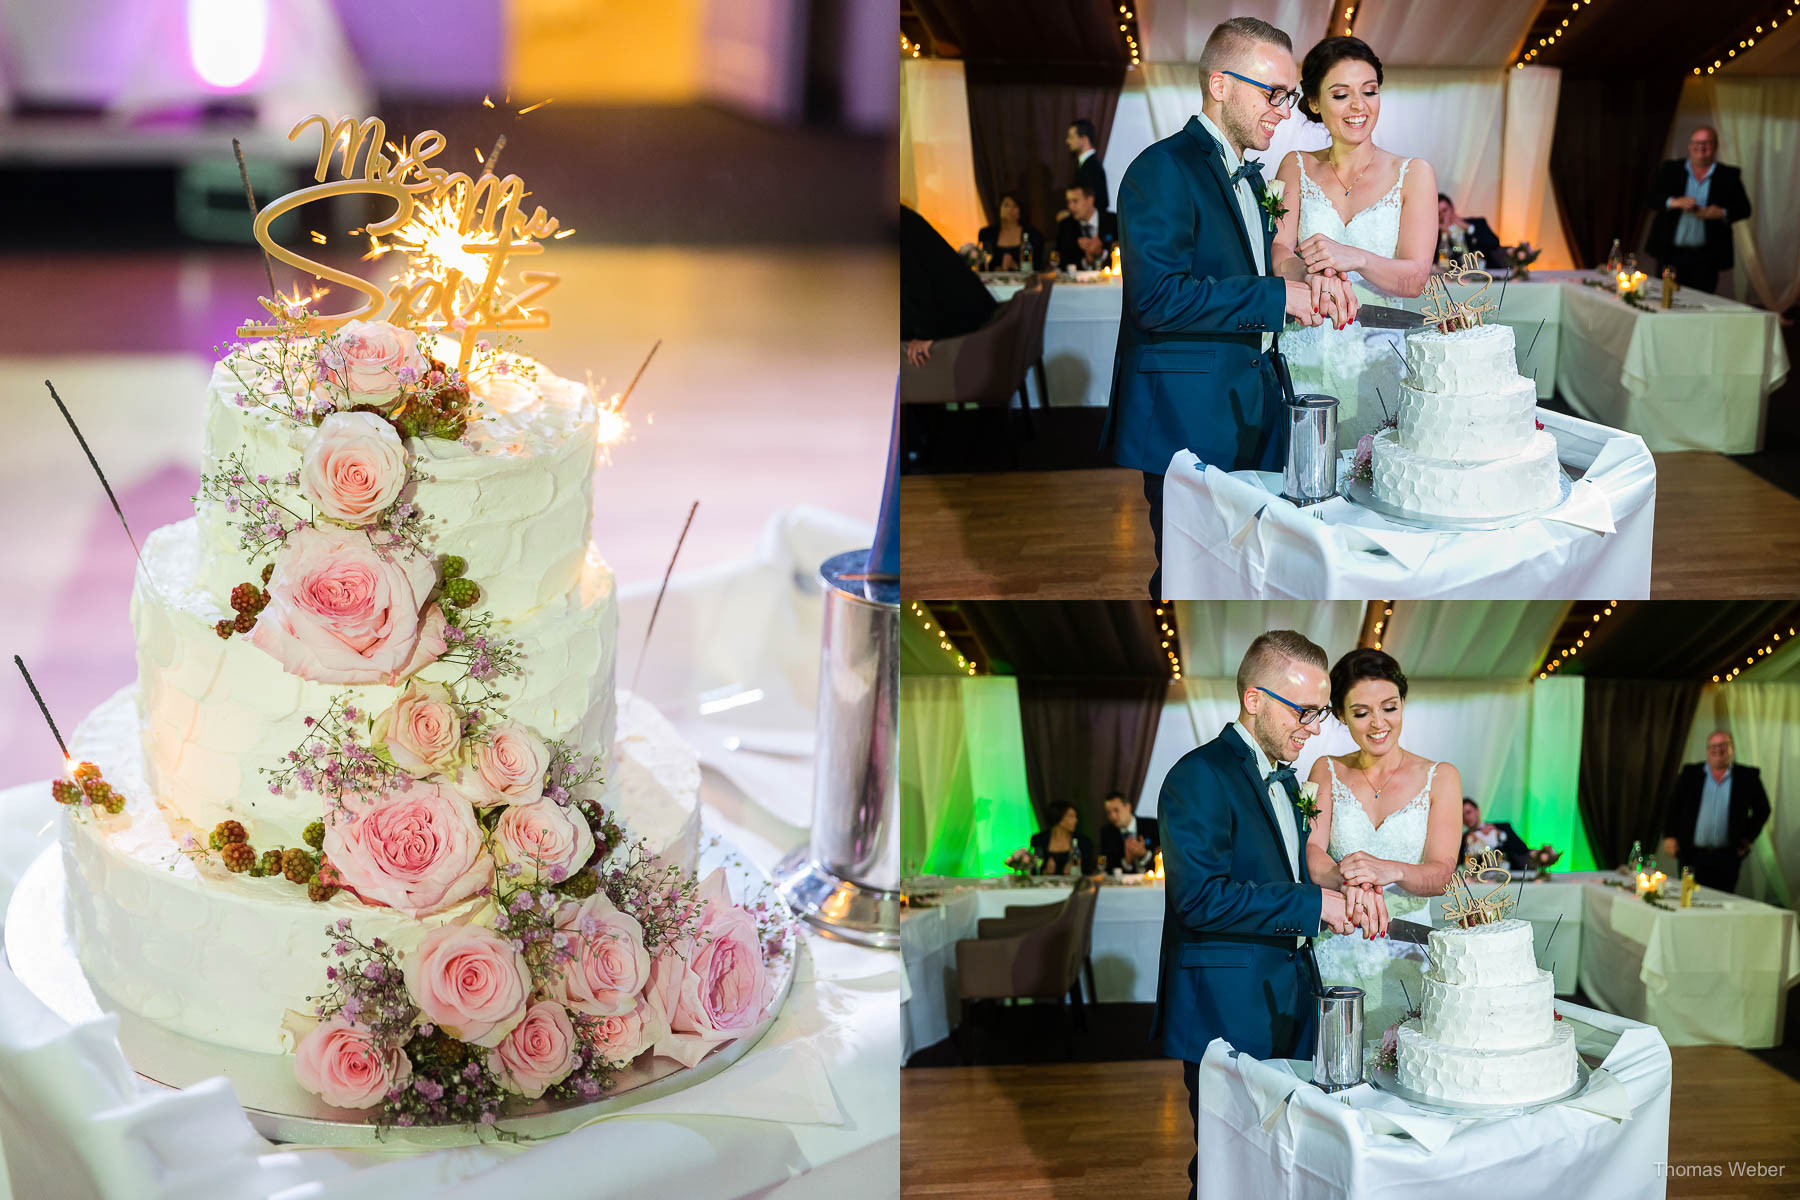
(1278, 97)
(1308, 716)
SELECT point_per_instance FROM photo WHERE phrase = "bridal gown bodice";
(1361, 367)
(1389, 972)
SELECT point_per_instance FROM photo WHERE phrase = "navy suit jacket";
(1189, 372)
(1230, 967)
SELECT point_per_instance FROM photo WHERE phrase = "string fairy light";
(1555, 658)
(1171, 640)
(1558, 27)
(1770, 643)
(1128, 29)
(936, 630)
(1746, 39)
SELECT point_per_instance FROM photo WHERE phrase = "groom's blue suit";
(1232, 910)
(1189, 372)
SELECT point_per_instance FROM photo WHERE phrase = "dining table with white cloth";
(1229, 535)
(1081, 334)
(1126, 945)
(1265, 1130)
(813, 1109)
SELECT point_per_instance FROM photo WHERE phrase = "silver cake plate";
(1387, 1079)
(41, 953)
(1362, 494)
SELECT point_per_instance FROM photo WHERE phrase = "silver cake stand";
(1387, 1079)
(41, 953)
(1363, 495)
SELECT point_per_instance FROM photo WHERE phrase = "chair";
(987, 367)
(1021, 917)
(1042, 962)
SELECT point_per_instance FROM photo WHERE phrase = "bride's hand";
(1373, 907)
(1321, 254)
(1336, 298)
(1365, 870)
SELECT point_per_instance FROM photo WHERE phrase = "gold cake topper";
(1463, 907)
(1446, 312)
(457, 233)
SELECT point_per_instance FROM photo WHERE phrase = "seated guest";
(1088, 171)
(1467, 234)
(939, 296)
(1715, 815)
(1005, 240)
(1696, 201)
(1062, 850)
(1086, 236)
(1495, 835)
(1128, 842)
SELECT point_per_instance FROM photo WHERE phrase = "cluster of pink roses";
(372, 360)
(608, 998)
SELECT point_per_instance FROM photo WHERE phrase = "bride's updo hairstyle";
(1319, 61)
(1363, 663)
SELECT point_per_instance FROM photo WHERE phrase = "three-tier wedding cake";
(1466, 442)
(1487, 1031)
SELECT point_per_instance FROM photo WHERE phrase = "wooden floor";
(1721, 533)
(1104, 1129)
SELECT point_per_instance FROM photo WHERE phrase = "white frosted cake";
(1487, 1031)
(1466, 441)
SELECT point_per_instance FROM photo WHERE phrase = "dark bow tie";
(1285, 777)
(1252, 169)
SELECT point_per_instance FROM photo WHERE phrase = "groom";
(1240, 908)
(1194, 368)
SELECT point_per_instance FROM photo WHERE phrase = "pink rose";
(469, 982)
(546, 840)
(422, 729)
(507, 767)
(418, 850)
(540, 1051)
(610, 965)
(623, 1036)
(339, 612)
(340, 1063)
(354, 468)
(367, 358)
(714, 986)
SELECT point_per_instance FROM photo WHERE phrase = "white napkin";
(1586, 508)
(1269, 1085)
(1387, 1114)
(786, 1084)
(1603, 1095)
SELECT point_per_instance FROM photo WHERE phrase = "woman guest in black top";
(1059, 843)
(1004, 241)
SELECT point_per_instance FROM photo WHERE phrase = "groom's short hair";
(1230, 41)
(1270, 651)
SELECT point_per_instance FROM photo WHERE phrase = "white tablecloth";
(813, 1110)
(1551, 908)
(1081, 333)
(1230, 536)
(1265, 1132)
(1703, 976)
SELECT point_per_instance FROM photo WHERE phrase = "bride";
(1363, 213)
(1389, 821)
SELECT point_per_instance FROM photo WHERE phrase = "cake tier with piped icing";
(1461, 1075)
(1524, 482)
(1501, 1016)
(1496, 954)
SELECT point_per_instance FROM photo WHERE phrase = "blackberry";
(454, 566)
(581, 885)
(225, 833)
(66, 791)
(314, 835)
(270, 863)
(298, 865)
(225, 628)
(238, 857)
(462, 592)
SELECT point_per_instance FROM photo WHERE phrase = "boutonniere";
(1273, 208)
(1306, 801)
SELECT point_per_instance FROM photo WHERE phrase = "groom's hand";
(1333, 913)
(1300, 304)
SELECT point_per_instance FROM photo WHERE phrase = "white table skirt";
(1230, 536)
(1081, 334)
(1551, 908)
(1704, 976)
(1263, 1132)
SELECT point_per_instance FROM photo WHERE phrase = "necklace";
(1353, 182)
(1370, 780)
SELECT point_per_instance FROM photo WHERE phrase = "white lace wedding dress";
(1387, 971)
(1361, 367)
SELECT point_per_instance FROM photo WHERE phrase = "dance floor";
(1102, 1129)
(1722, 532)
(770, 391)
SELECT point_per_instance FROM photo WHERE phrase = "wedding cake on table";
(1466, 441)
(374, 801)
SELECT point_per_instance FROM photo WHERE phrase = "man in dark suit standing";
(1088, 171)
(1715, 815)
(1085, 238)
(1194, 368)
(1128, 842)
(1467, 233)
(1240, 910)
(1696, 201)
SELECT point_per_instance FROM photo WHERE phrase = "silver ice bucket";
(846, 881)
(1338, 1054)
(1312, 449)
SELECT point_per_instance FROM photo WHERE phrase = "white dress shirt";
(1712, 825)
(1083, 157)
(1279, 801)
(1246, 198)
(1690, 231)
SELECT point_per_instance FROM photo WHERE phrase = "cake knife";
(1380, 316)
(1408, 931)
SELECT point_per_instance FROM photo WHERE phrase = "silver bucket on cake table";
(1312, 449)
(846, 881)
(1338, 1053)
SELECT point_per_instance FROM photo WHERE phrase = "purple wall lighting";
(227, 40)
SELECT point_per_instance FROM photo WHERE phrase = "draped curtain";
(1759, 131)
(1019, 115)
(1551, 816)
(1609, 139)
(1633, 735)
(1086, 738)
(935, 179)
(963, 800)
(1531, 100)
(1764, 720)
(1176, 30)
